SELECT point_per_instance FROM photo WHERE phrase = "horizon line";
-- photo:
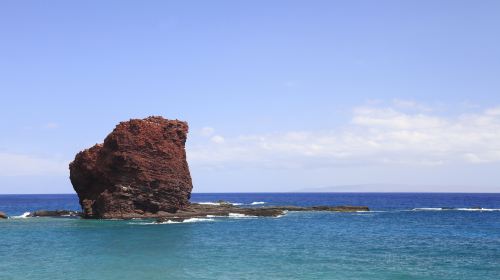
(293, 192)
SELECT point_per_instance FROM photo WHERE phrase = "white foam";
(477, 209)
(457, 209)
(427, 209)
(195, 220)
(238, 215)
(216, 216)
(24, 215)
(190, 220)
(143, 223)
(257, 203)
(218, 203)
(208, 203)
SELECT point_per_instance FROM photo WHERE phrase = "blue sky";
(279, 95)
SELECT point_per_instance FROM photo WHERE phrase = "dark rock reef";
(3, 215)
(140, 171)
(55, 213)
(227, 209)
(219, 209)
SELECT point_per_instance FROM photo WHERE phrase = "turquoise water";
(395, 242)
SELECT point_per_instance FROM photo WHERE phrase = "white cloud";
(392, 119)
(12, 164)
(217, 139)
(207, 131)
(493, 111)
(375, 135)
(410, 105)
(50, 125)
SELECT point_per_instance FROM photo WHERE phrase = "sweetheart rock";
(140, 170)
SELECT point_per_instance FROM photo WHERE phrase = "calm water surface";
(395, 241)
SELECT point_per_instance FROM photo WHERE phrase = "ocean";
(405, 236)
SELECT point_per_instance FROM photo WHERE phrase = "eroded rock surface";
(3, 215)
(139, 171)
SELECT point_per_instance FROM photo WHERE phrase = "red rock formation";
(139, 171)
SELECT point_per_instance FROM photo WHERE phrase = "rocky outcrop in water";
(219, 209)
(140, 171)
(55, 213)
(223, 209)
(3, 215)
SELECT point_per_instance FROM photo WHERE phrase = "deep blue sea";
(406, 236)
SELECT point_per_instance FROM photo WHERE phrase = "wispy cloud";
(411, 104)
(12, 164)
(218, 139)
(50, 125)
(376, 134)
(207, 131)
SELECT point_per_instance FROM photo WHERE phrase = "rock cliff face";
(139, 171)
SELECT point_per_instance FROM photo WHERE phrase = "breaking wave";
(208, 203)
(257, 203)
(456, 209)
(232, 203)
(219, 203)
(238, 215)
(190, 220)
(24, 215)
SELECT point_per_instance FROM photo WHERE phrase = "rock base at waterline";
(221, 209)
